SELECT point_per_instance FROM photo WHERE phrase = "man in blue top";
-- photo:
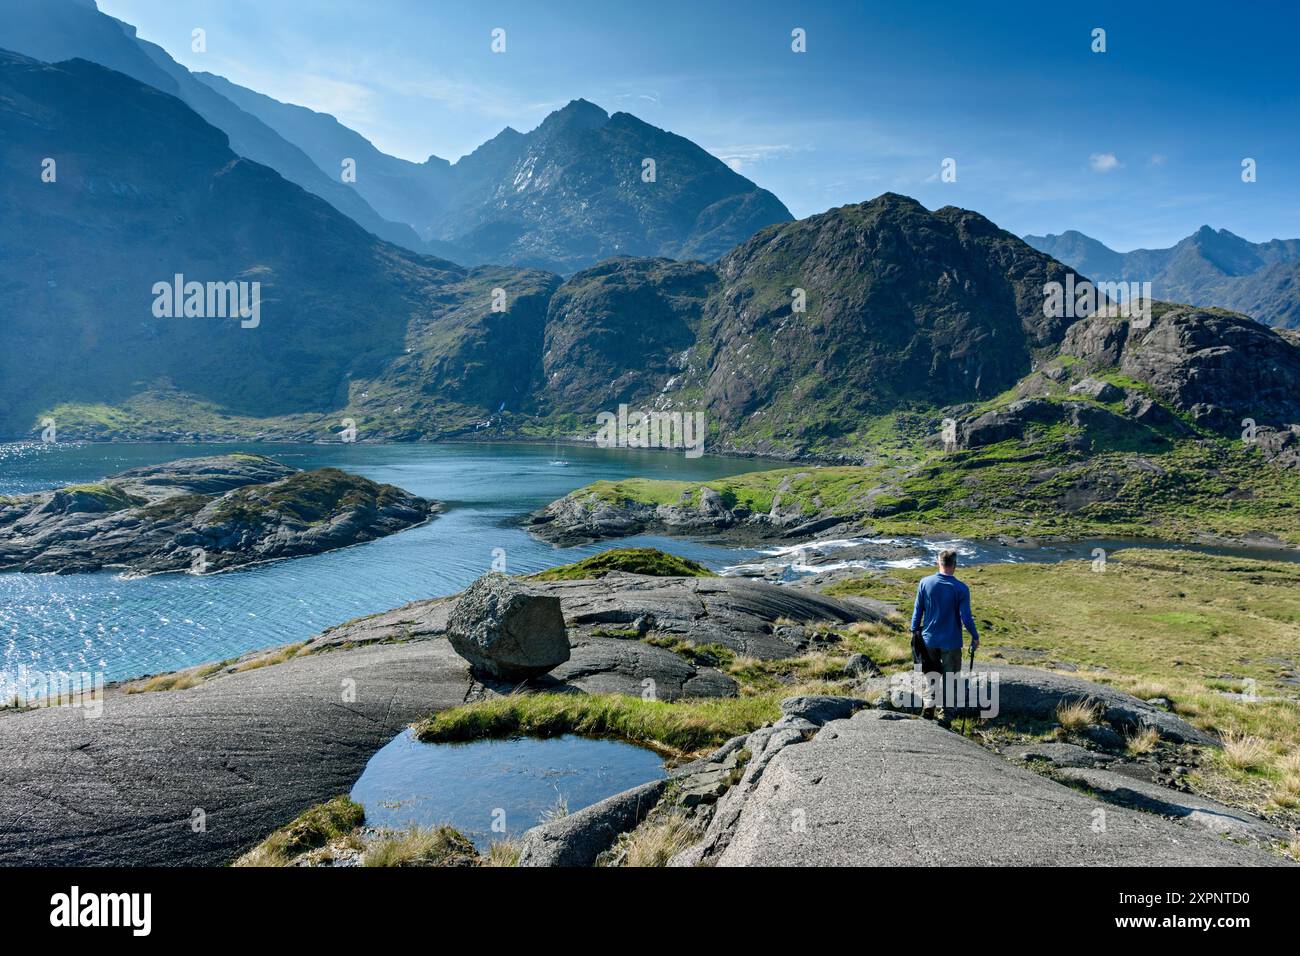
(942, 607)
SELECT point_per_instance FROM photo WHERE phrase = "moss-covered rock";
(649, 561)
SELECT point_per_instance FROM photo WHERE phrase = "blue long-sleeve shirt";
(942, 607)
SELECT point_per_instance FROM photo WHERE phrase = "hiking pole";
(970, 675)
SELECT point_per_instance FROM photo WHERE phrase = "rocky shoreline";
(183, 742)
(320, 711)
(200, 515)
(584, 517)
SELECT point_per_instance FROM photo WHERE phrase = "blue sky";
(1137, 146)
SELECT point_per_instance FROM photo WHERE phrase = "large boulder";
(508, 631)
(1097, 389)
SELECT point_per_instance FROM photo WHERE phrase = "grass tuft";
(312, 829)
(421, 846)
(679, 728)
(177, 680)
(703, 655)
(502, 853)
(556, 811)
(1142, 742)
(1077, 715)
(276, 657)
(1243, 752)
(658, 840)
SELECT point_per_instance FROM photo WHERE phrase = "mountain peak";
(578, 114)
(893, 199)
(886, 204)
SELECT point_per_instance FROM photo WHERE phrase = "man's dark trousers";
(937, 665)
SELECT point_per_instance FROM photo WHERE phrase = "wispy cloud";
(1104, 162)
(741, 157)
(651, 98)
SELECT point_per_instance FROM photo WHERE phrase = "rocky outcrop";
(1026, 419)
(200, 515)
(579, 838)
(607, 619)
(506, 631)
(1027, 692)
(723, 778)
(817, 709)
(834, 782)
(884, 789)
(1218, 367)
(1056, 754)
(601, 665)
(584, 516)
(617, 332)
(1186, 808)
(251, 750)
(1279, 445)
(752, 618)
(1097, 390)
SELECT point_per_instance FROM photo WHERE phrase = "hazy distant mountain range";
(825, 335)
(147, 190)
(1209, 267)
(900, 309)
(54, 30)
(561, 197)
(571, 192)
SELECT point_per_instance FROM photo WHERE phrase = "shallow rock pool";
(495, 789)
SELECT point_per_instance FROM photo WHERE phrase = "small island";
(200, 515)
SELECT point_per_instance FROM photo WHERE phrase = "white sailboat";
(557, 461)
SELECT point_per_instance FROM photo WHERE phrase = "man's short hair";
(948, 558)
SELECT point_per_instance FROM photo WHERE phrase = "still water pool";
(495, 789)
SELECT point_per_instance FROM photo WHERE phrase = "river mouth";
(492, 790)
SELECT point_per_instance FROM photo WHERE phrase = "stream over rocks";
(842, 557)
